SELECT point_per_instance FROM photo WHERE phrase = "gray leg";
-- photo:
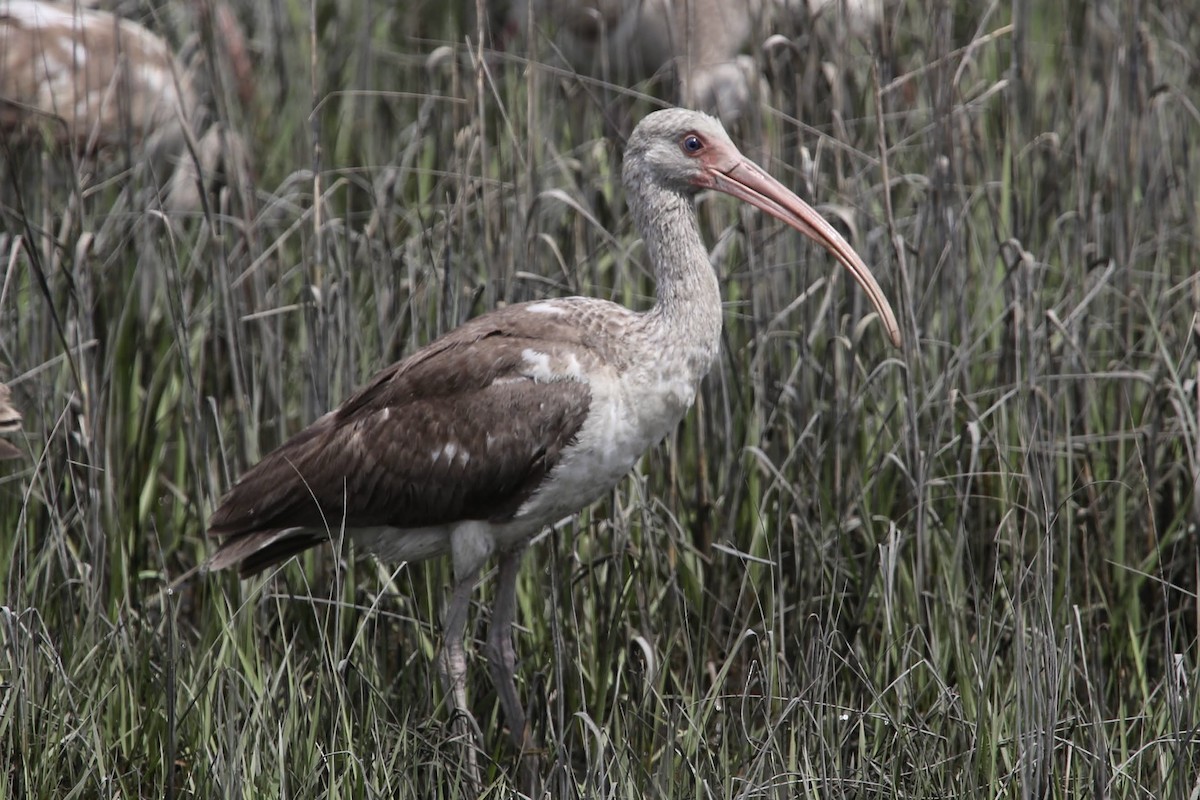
(452, 664)
(502, 658)
(471, 544)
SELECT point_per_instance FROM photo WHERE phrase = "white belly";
(625, 421)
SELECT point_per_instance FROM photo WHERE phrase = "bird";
(627, 41)
(524, 415)
(95, 82)
(703, 41)
(10, 421)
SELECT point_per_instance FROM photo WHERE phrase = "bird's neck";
(686, 317)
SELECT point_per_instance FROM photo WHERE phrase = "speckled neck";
(685, 323)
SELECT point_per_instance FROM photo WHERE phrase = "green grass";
(968, 568)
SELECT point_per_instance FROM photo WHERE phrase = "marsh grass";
(967, 568)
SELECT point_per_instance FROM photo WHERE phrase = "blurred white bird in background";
(707, 44)
(104, 86)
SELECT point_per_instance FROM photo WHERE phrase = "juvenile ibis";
(523, 415)
(95, 82)
(10, 421)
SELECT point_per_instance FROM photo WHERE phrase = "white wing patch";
(451, 451)
(573, 368)
(545, 308)
(538, 365)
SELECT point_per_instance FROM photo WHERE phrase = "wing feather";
(465, 429)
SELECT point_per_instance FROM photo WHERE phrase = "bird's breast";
(629, 414)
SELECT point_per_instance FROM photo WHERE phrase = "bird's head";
(687, 151)
(676, 148)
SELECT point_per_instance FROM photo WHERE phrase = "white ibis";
(524, 415)
(93, 81)
(631, 40)
(10, 421)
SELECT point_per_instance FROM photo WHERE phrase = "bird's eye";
(692, 144)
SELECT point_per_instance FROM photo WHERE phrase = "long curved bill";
(747, 181)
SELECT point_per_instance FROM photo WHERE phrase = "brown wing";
(466, 428)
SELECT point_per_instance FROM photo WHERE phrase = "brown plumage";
(525, 415)
(446, 393)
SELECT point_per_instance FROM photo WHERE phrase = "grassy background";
(964, 569)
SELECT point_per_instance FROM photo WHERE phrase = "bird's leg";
(502, 661)
(471, 545)
(452, 664)
(502, 658)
